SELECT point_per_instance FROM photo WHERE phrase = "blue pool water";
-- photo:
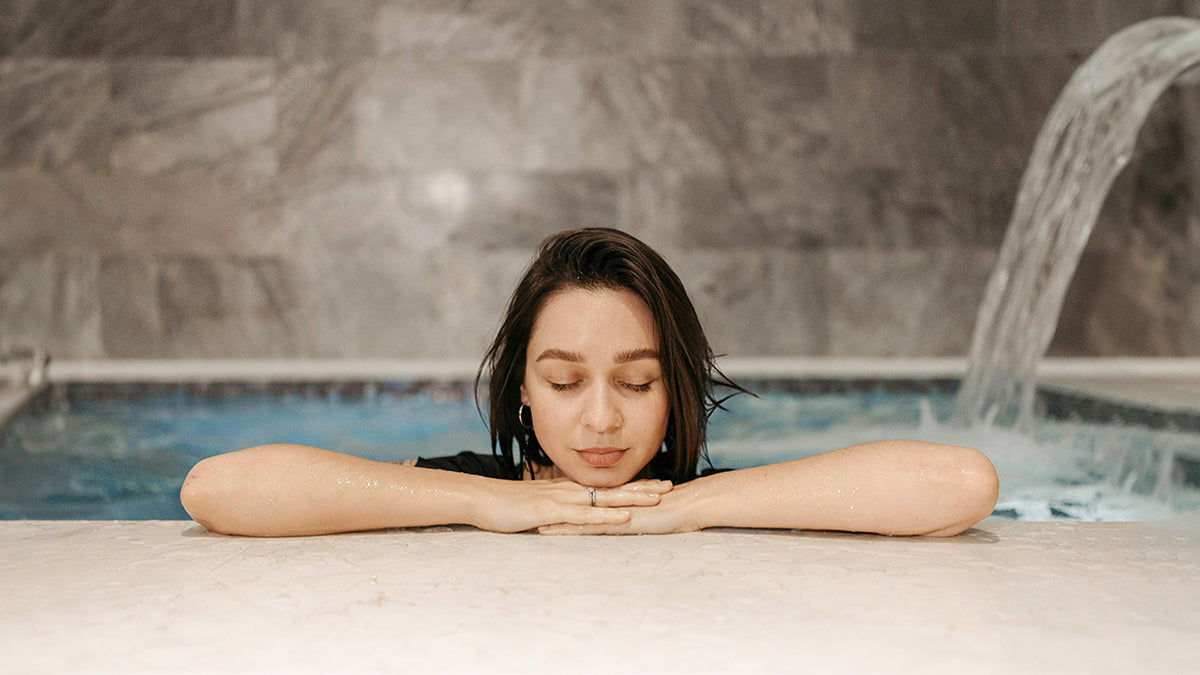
(118, 451)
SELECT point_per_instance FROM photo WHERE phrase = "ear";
(524, 396)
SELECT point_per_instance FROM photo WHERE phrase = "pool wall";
(266, 180)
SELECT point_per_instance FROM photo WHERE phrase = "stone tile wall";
(260, 178)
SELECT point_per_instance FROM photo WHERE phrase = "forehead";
(579, 318)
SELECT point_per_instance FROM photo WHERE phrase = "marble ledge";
(1004, 597)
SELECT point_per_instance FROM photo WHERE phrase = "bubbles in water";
(1063, 471)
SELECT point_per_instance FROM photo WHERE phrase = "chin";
(601, 478)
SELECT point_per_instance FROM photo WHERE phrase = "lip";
(601, 456)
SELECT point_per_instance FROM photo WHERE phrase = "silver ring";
(592, 495)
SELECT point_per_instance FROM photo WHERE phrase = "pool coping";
(1003, 597)
(1160, 382)
(1066, 369)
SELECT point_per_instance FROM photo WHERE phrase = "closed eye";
(564, 386)
(639, 388)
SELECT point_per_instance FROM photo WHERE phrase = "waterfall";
(1085, 142)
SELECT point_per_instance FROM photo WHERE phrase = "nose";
(602, 413)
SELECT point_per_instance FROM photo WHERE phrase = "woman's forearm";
(887, 487)
(284, 490)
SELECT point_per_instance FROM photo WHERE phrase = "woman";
(602, 377)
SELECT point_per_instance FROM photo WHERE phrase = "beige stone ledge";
(1163, 382)
(1004, 597)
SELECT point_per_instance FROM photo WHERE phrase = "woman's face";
(593, 383)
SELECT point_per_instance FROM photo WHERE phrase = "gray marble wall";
(261, 178)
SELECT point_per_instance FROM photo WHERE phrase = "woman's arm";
(886, 487)
(287, 490)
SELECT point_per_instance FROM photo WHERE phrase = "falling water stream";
(1086, 141)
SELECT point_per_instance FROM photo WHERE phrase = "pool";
(118, 449)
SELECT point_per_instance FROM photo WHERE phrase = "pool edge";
(1165, 382)
(1176, 368)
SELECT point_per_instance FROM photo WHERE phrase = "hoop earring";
(521, 416)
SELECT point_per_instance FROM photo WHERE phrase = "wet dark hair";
(594, 259)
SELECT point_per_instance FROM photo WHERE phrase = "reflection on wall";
(247, 178)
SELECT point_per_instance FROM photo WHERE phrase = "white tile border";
(460, 368)
(267, 370)
(1168, 383)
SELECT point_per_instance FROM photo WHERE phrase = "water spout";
(1086, 140)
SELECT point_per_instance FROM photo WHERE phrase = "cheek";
(549, 418)
(656, 416)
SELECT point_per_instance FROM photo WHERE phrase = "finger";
(649, 485)
(587, 515)
(630, 495)
(575, 529)
(619, 497)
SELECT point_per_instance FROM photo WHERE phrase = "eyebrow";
(627, 356)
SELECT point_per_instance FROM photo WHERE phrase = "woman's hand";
(516, 506)
(893, 487)
(667, 516)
